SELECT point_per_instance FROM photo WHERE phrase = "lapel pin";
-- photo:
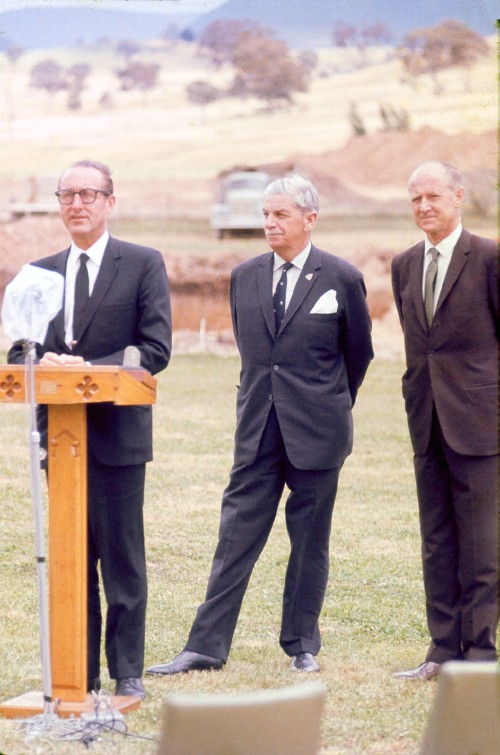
(309, 276)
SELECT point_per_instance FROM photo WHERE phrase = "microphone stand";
(39, 531)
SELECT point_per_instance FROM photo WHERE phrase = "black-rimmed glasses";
(88, 196)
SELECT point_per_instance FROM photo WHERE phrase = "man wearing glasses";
(116, 296)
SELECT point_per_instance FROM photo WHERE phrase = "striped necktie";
(430, 282)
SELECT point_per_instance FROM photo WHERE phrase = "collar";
(447, 245)
(95, 252)
(299, 261)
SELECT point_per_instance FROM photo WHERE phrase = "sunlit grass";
(373, 619)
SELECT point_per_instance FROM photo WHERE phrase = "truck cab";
(239, 206)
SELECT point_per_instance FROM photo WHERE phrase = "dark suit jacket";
(130, 305)
(454, 364)
(311, 370)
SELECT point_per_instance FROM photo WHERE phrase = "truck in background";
(239, 205)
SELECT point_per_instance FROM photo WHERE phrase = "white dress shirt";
(95, 254)
(445, 249)
(293, 273)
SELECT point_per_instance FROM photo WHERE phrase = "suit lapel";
(457, 262)
(417, 281)
(265, 285)
(105, 276)
(306, 281)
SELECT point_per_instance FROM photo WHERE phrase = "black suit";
(450, 389)
(294, 427)
(129, 305)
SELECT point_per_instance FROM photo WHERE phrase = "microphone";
(131, 357)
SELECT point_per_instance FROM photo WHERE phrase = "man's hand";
(50, 358)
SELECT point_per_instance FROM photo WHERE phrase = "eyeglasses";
(88, 196)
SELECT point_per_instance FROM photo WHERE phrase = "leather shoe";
(427, 670)
(187, 661)
(305, 662)
(130, 687)
(94, 685)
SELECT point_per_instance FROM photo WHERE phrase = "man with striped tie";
(303, 332)
(446, 291)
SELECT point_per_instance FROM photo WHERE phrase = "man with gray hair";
(446, 292)
(303, 332)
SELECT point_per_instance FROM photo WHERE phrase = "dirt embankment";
(368, 175)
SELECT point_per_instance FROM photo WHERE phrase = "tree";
(137, 75)
(267, 70)
(394, 119)
(128, 48)
(220, 39)
(356, 121)
(75, 83)
(362, 38)
(54, 78)
(14, 53)
(264, 67)
(343, 34)
(48, 75)
(431, 50)
(201, 92)
(187, 35)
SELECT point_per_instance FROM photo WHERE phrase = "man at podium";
(116, 296)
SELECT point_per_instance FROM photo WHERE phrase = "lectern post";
(67, 391)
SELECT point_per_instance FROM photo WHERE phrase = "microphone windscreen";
(131, 357)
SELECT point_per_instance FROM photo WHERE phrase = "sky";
(303, 24)
(182, 7)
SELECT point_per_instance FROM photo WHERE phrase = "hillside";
(43, 24)
(160, 135)
(166, 154)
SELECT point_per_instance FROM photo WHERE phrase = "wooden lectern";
(67, 391)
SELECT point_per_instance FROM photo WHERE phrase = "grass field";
(373, 620)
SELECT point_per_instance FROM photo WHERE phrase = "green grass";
(373, 620)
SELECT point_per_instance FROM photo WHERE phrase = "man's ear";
(310, 220)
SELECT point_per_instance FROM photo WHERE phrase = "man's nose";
(76, 199)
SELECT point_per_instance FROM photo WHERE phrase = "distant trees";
(76, 76)
(432, 50)
(356, 121)
(393, 119)
(201, 92)
(264, 66)
(362, 38)
(128, 48)
(49, 75)
(220, 39)
(138, 75)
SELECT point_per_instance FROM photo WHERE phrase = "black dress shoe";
(305, 662)
(94, 685)
(427, 670)
(130, 687)
(187, 661)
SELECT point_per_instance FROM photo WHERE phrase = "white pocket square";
(326, 304)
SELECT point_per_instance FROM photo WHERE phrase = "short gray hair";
(299, 187)
(452, 173)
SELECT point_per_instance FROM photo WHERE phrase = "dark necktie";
(279, 297)
(430, 282)
(81, 295)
